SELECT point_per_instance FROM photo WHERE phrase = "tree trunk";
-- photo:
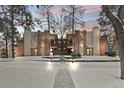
(121, 50)
(118, 27)
(48, 19)
(73, 15)
(12, 31)
(73, 28)
(6, 46)
(13, 53)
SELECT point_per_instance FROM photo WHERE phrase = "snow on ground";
(24, 72)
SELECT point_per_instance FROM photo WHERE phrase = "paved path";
(63, 79)
(57, 59)
(82, 59)
(25, 73)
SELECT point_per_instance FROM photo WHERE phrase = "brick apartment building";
(45, 43)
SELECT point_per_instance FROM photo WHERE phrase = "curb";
(81, 60)
(6, 60)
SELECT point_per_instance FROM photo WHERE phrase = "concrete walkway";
(82, 59)
(57, 59)
(36, 74)
(97, 59)
(63, 82)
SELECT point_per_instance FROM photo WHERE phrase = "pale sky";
(90, 15)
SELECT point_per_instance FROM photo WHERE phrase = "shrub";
(111, 53)
(76, 55)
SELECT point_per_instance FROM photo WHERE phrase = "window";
(89, 51)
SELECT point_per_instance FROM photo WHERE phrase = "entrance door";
(89, 51)
(34, 52)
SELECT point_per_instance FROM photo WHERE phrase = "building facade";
(45, 44)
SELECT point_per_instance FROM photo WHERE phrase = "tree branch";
(121, 13)
(115, 21)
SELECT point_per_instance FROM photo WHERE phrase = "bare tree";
(75, 13)
(107, 30)
(116, 15)
(59, 25)
(45, 11)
